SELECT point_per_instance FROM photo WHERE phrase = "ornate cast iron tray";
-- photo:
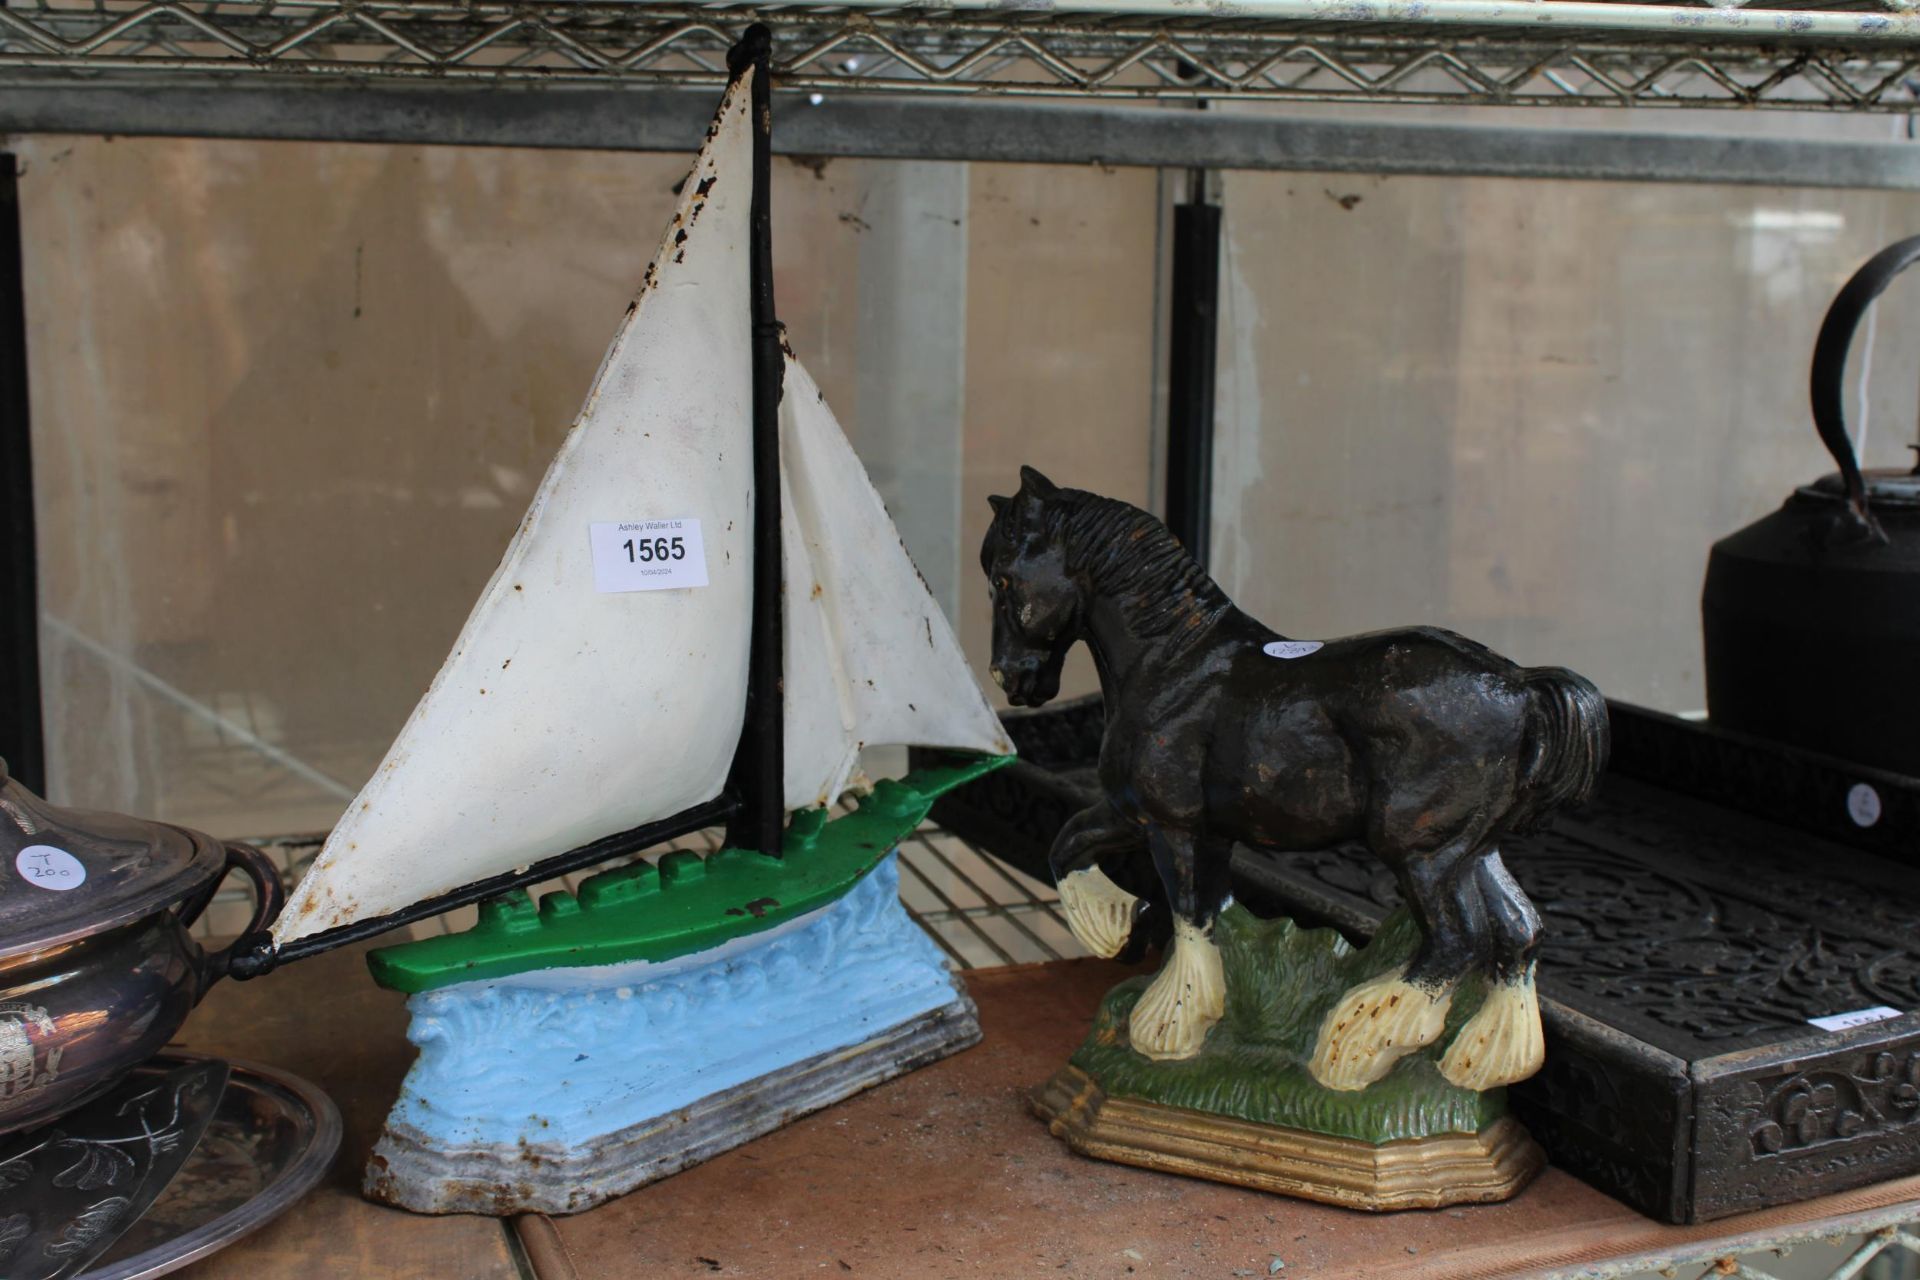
(1721, 893)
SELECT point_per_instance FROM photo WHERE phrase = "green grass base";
(1281, 980)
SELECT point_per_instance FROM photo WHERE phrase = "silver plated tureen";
(97, 970)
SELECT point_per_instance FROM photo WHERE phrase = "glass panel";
(1524, 410)
(290, 401)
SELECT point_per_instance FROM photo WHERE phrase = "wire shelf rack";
(1861, 55)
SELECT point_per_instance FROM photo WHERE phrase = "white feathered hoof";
(1375, 1025)
(1099, 912)
(1184, 1000)
(1502, 1043)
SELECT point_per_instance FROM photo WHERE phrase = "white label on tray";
(50, 868)
(1863, 805)
(1858, 1018)
(647, 555)
(1291, 648)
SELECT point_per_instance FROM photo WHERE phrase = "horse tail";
(1566, 745)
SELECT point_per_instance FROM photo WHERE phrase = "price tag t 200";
(647, 555)
(50, 867)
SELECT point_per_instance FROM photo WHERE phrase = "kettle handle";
(268, 898)
(1830, 367)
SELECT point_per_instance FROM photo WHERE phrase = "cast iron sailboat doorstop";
(695, 623)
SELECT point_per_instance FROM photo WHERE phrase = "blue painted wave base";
(559, 1060)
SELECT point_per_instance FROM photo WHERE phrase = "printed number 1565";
(645, 550)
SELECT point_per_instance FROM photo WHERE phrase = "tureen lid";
(67, 873)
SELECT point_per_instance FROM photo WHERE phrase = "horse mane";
(1128, 554)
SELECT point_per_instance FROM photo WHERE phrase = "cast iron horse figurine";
(1425, 745)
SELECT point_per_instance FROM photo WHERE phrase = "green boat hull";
(685, 903)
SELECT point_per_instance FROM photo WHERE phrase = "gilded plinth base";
(1412, 1173)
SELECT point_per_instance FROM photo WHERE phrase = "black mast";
(21, 741)
(1194, 343)
(759, 764)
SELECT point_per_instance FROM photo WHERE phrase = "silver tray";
(272, 1139)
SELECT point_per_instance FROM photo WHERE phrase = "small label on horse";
(647, 555)
(50, 868)
(1863, 805)
(1291, 648)
(1858, 1018)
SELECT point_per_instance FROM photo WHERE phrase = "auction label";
(647, 555)
(50, 868)
(1858, 1018)
(1292, 648)
(1863, 805)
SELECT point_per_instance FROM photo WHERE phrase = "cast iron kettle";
(1812, 614)
(96, 968)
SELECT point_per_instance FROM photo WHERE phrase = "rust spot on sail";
(726, 104)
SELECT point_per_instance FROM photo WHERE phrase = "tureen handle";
(268, 898)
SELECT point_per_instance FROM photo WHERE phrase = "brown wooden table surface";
(941, 1173)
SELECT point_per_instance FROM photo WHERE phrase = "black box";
(1719, 893)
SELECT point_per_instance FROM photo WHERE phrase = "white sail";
(567, 713)
(581, 700)
(870, 657)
